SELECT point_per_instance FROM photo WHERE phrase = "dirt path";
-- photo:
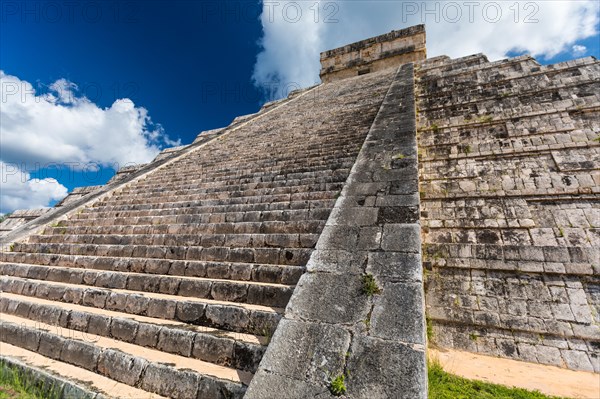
(549, 380)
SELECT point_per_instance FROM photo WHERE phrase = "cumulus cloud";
(19, 191)
(291, 46)
(60, 126)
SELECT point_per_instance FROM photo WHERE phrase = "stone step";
(451, 66)
(131, 218)
(520, 81)
(195, 208)
(453, 69)
(226, 161)
(151, 370)
(470, 117)
(452, 107)
(489, 253)
(510, 147)
(290, 227)
(258, 172)
(504, 125)
(204, 240)
(195, 202)
(307, 145)
(236, 317)
(259, 272)
(266, 294)
(238, 177)
(224, 348)
(280, 256)
(83, 384)
(266, 195)
(201, 186)
(549, 134)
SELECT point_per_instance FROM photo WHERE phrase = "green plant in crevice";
(370, 286)
(429, 328)
(456, 302)
(337, 387)
(486, 119)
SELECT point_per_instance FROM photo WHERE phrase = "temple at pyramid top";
(374, 54)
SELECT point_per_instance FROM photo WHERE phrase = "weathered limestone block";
(510, 207)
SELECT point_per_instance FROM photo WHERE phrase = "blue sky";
(106, 83)
(162, 55)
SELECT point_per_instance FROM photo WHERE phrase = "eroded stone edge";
(331, 327)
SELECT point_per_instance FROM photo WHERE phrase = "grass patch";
(443, 385)
(14, 384)
(370, 287)
(338, 385)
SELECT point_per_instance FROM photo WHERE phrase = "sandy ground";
(549, 380)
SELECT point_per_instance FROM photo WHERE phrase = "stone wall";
(374, 54)
(335, 326)
(510, 186)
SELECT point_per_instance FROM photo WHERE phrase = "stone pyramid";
(327, 237)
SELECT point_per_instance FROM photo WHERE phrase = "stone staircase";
(174, 283)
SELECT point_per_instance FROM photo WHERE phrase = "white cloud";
(544, 29)
(291, 47)
(579, 50)
(65, 91)
(62, 127)
(19, 191)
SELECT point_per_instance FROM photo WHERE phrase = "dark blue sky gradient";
(188, 62)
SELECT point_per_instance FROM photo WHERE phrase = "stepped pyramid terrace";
(319, 247)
